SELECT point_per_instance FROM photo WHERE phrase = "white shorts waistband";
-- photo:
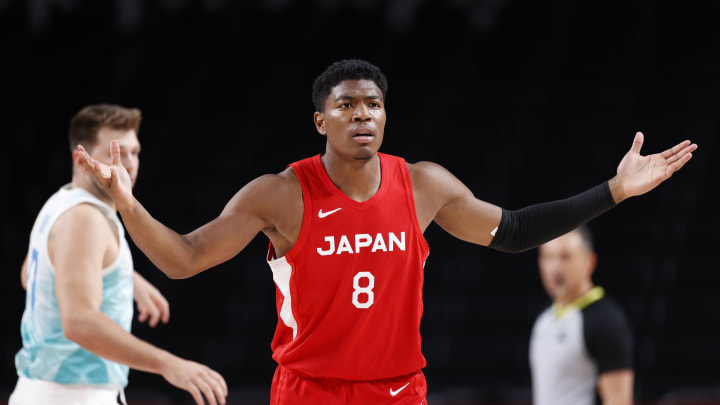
(36, 392)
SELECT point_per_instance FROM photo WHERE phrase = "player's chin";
(365, 151)
(365, 154)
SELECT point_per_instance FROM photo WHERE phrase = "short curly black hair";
(348, 69)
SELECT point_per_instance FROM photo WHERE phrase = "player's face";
(129, 149)
(353, 120)
(566, 265)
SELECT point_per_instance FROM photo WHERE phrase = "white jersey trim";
(282, 271)
(81, 196)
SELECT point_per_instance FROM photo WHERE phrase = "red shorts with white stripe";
(289, 388)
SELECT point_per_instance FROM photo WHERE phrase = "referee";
(583, 344)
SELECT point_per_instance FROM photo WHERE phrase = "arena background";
(524, 100)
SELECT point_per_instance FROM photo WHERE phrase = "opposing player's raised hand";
(114, 178)
(639, 174)
(197, 379)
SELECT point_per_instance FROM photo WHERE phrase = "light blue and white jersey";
(46, 353)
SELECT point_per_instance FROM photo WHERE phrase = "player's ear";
(319, 119)
(77, 163)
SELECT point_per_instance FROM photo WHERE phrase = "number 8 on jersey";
(363, 290)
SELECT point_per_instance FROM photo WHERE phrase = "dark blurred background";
(523, 100)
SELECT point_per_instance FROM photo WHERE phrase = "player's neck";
(358, 179)
(94, 189)
(573, 295)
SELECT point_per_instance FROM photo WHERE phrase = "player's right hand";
(197, 379)
(113, 178)
(151, 304)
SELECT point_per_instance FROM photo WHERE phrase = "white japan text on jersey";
(349, 292)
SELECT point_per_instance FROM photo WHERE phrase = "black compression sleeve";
(532, 226)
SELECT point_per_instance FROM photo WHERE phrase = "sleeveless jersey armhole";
(119, 233)
(306, 220)
(410, 198)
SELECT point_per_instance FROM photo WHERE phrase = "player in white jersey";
(80, 282)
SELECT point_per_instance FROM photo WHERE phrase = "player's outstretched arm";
(182, 256)
(443, 198)
(616, 387)
(78, 244)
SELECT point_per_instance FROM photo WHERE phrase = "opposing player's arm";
(616, 387)
(443, 198)
(23, 272)
(81, 241)
(151, 304)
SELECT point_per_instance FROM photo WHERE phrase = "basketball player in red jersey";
(346, 242)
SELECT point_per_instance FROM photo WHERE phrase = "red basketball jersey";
(349, 292)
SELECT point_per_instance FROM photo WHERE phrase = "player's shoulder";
(83, 213)
(268, 192)
(82, 219)
(423, 172)
(276, 183)
(426, 167)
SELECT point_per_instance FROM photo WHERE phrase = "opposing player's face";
(566, 265)
(353, 120)
(129, 149)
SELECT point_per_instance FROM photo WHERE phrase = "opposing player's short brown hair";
(85, 125)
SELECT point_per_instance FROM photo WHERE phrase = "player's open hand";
(197, 379)
(113, 178)
(151, 304)
(639, 174)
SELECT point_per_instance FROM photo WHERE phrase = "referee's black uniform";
(570, 349)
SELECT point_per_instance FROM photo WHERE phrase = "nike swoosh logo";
(322, 214)
(393, 393)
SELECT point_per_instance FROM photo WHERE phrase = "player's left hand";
(637, 174)
(152, 306)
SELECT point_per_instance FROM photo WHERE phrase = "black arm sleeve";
(532, 226)
(608, 336)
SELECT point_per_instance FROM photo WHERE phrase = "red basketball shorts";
(291, 389)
